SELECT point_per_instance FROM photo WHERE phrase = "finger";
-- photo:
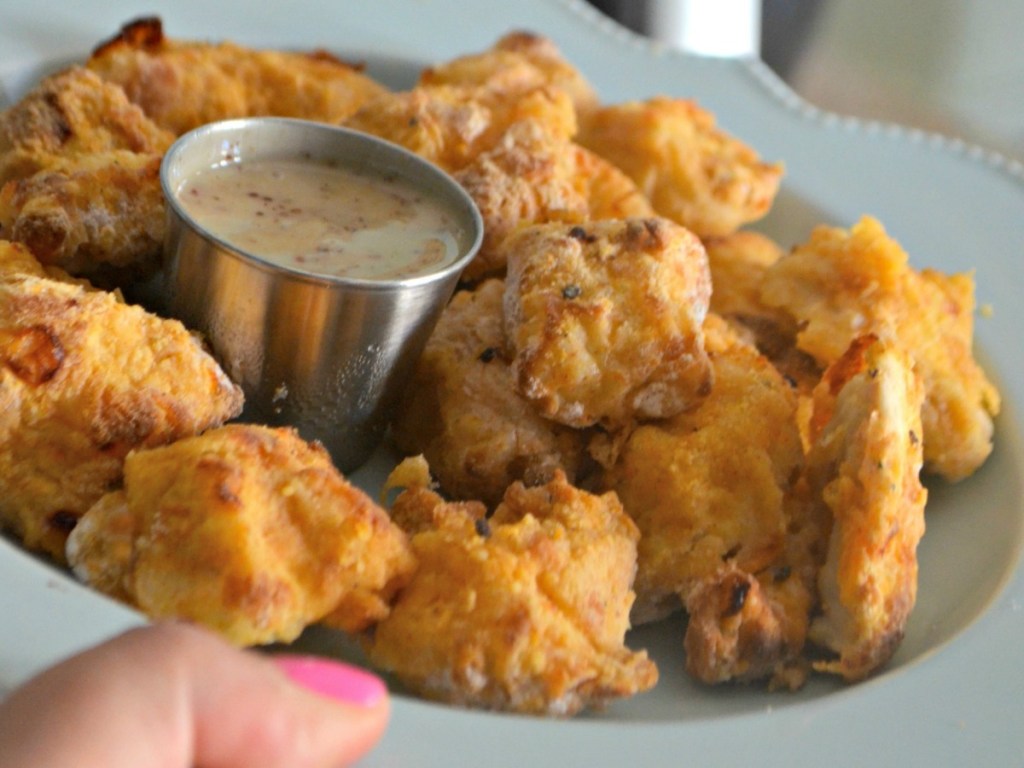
(174, 696)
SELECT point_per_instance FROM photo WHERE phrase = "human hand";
(174, 696)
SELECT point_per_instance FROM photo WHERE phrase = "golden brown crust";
(101, 217)
(841, 284)
(531, 176)
(70, 114)
(517, 61)
(524, 613)
(464, 414)
(418, 506)
(863, 469)
(739, 263)
(710, 484)
(181, 85)
(605, 319)
(450, 125)
(84, 379)
(248, 530)
(741, 628)
(79, 176)
(691, 171)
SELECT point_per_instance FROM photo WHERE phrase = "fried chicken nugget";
(605, 319)
(517, 61)
(708, 488)
(464, 414)
(842, 284)
(84, 379)
(864, 466)
(79, 177)
(526, 612)
(248, 530)
(70, 114)
(531, 176)
(101, 217)
(691, 171)
(450, 125)
(181, 84)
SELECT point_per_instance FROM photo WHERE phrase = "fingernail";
(338, 681)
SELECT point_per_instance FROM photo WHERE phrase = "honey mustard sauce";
(321, 218)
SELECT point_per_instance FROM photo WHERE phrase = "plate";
(951, 696)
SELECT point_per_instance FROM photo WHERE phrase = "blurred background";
(952, 66)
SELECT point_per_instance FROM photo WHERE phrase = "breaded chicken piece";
(864, 468)
(248, 530)
(182, 84)
(841, 284)
(708, 488)
(517, 61)
(84, 379)
(70, 114)
(100, 217)
(79, 177)
(525, 612)
(743, 626)
(463, 413)
(450, 125)
(532, 177)
(691, 171)
(605, 320)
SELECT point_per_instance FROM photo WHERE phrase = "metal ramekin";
(327, 355)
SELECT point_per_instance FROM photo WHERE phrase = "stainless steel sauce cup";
(327, 355)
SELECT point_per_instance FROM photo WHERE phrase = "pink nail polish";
(341, 682)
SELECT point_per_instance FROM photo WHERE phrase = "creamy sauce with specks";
(323, 219)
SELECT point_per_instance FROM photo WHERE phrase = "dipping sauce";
(322, 218)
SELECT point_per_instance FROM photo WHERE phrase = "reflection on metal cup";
(327, 355)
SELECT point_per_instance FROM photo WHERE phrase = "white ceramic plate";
(953, 694)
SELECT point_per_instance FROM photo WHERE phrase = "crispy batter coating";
(70, 114)
(79, 176)
(531, 176)
(743, 627)
(464, 414)
(418, 506)
(517, 61)
(246, 529)
(708, 487)
(101, 217)
(842, 284)
(605, 319)
(746, 626)
(450, 125)
(864, 467)
(739, 263)
(526, 612)
(690, 170)
(84, 379)
(181, 84)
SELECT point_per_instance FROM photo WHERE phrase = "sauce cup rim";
(470, 213)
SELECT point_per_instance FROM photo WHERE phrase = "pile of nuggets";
(634, 405)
